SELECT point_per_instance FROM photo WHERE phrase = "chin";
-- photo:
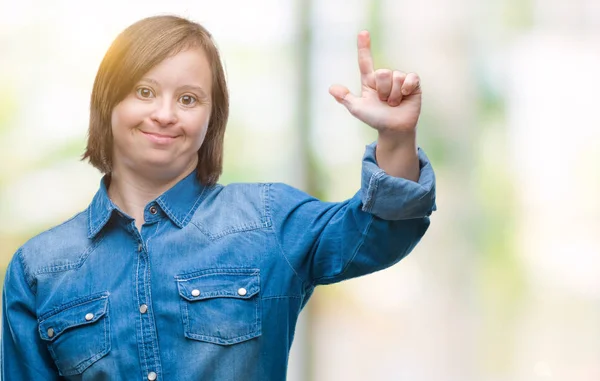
(166, 165)
(156, 163)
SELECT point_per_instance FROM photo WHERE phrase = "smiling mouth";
(159, 138)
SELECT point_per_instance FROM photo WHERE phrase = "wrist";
(394, 141)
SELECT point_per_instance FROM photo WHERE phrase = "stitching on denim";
(216, 340)
(71, 323)
(358, 247)
(86, 254)
(189, 214)
(248, 329)
(84, 364)
(241, 228)
(252, 289)
(258, 316)
(152, 327)
(90, 222)
(99, 225)
(217, 271)
(107, 341)
(282, 252)
(256, 326)
(140, 317)
(192, 210)
(220, 294)
(264, 223)
(81, 367)
(72, 265)
(266, 208)
(26, 272)
(155, 233)
(372, 189)
(74, 303)
(170, 212)
(186, 320)
(282, 297)
(257, 320)
(54, 357)
(232, 230)
(374, 186)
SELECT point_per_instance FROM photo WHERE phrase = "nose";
(164, 114)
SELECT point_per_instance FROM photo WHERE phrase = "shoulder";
(59, 247)
(254, 196)
(237, 194)
(236, 207)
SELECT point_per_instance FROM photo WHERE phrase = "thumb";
(343, 95)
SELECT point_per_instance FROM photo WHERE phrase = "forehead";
(188, 67)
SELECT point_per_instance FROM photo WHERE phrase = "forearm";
(397, 155)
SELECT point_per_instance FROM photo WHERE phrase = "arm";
(329, 242)
(24, 356)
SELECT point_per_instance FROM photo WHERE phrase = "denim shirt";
(209, 289)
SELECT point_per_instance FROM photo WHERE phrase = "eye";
(144, 92)
(188, 100)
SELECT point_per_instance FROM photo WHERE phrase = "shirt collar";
(179, 203)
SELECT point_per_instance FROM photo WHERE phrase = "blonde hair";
(133, 53)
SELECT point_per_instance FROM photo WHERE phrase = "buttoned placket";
(146, 326)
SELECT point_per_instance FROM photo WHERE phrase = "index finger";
(365, 60)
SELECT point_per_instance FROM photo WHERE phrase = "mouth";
(159, 138)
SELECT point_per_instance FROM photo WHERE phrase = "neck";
(132, 191)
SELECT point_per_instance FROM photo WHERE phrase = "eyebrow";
(184, 87)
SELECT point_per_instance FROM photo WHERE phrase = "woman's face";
(159, 127)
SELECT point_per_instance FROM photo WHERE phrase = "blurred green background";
(506, 283)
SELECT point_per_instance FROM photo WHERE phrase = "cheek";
(124, 116)
(200, 123)
(116, 119)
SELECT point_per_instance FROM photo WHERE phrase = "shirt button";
(153, 209)
(50, 332)
(89, 316)
(195, 292)
(242, 291)
(143, 308)
(151, 376)
(140, 247)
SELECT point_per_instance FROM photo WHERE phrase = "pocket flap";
(223, 283)
(78, 312)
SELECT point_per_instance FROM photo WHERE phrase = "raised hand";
(390, 101)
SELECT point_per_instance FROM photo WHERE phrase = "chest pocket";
(221, 306)
(77, 333)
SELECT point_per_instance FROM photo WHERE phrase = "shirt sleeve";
(23, 355)
(394, 198)
(326, 242)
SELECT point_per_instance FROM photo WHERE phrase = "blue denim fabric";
(210, 289)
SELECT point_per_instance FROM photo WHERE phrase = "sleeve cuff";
(394, 198)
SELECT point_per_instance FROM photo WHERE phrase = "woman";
(168, 275)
